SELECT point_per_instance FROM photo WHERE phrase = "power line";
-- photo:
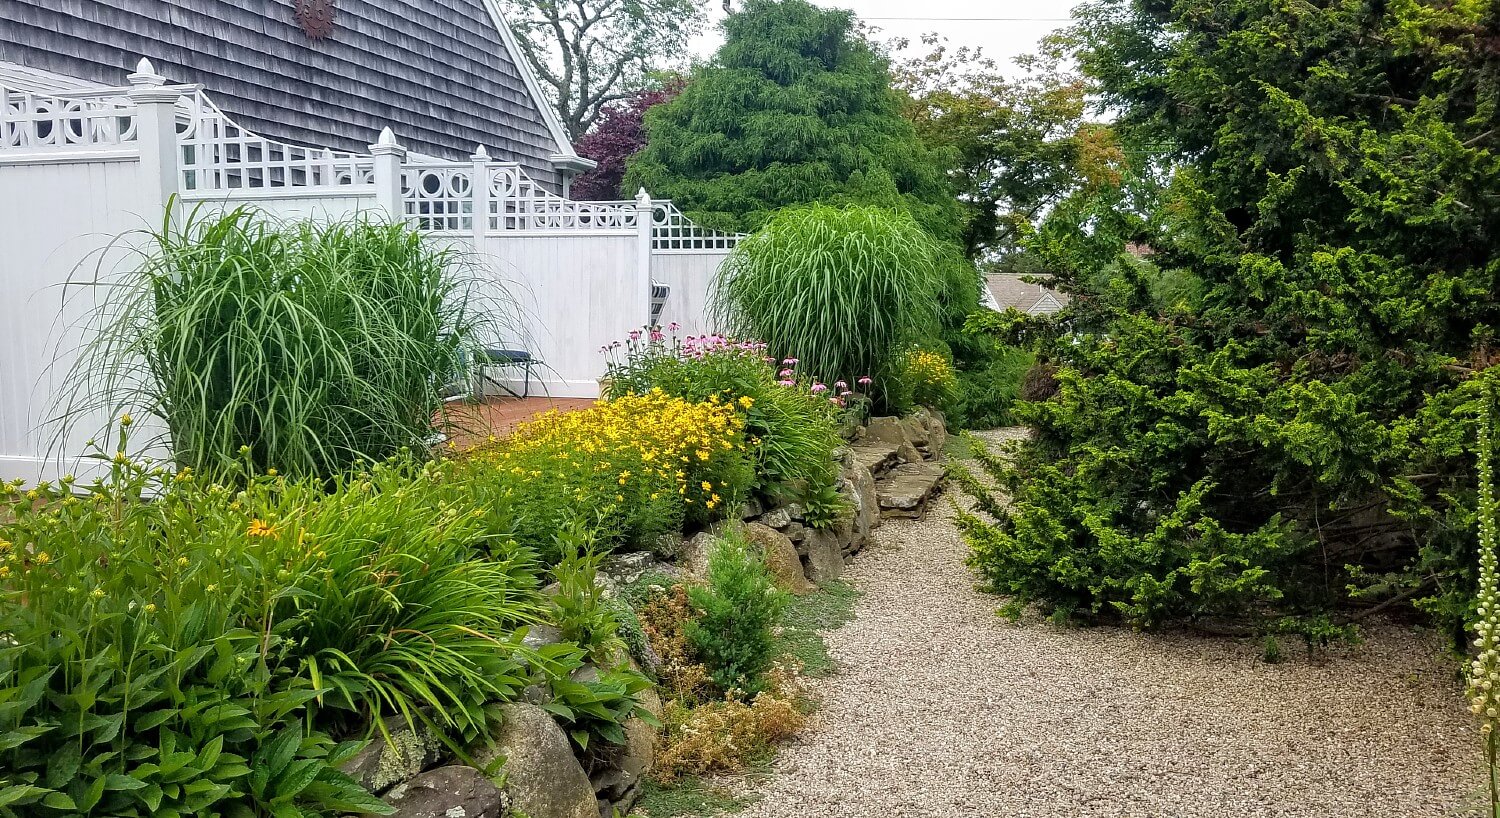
(973, 19)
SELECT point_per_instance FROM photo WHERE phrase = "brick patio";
(496, 416)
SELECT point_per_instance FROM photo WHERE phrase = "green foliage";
(791, 429)
(178, 647)
(987, 393)
(808, 617)
(794, 108)
(578, 607)
(822, 506)
(840, 290)
(734, 634)
(317, 345)
(1021, 145)
(1274, 409)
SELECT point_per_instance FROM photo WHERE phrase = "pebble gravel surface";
(941, 708)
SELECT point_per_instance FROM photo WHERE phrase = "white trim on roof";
(26, 78)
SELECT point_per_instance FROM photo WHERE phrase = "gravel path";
(942, 709)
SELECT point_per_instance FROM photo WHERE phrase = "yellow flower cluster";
(632, 450)
(929, 376)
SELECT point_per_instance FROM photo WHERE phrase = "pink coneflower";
(673, 327)
(790, 361)
(787, 383)
(635, 335)
(866, 381)
(840, 385)
(786, 373)
(657, 336)
(819, 387)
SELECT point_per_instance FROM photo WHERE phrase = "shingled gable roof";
(1004, 291)
(445, 75)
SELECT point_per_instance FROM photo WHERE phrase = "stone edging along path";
(940, 708)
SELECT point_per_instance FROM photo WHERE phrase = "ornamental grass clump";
(842, 290)
(630, 469)
(318, 345)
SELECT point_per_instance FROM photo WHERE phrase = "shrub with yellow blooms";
(631, 469)
(928, 378)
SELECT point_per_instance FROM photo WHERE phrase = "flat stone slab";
(877, 457)
(904, 491)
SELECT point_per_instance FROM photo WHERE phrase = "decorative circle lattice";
(316, 17)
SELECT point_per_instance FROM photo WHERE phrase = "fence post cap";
(480, 154)
(145, 75)
(386, 144)
(642, 198)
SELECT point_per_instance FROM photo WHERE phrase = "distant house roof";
(445, 75)
(1003, 291)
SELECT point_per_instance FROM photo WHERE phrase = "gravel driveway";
(943, 709)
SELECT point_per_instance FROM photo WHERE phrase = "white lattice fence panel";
(438, 198)
(516, 202)
(671, 230)
(31, 121)
(218, 154)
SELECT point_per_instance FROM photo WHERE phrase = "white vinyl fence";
(79, 171)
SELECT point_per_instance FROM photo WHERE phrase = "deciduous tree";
(590, 53)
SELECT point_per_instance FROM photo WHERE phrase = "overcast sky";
(1005, 28)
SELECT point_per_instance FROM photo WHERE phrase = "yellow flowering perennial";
(631, 460)
(930, 377)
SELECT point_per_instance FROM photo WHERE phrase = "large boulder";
(824, 563)
(888, 430)
(779, 517)
(916, 431)
(858, 488)
(780, 556)
(937, 430)
(877, 458)
(624, 569)
(693, 561)
(449, 792)
(384, 763)
(542, 777)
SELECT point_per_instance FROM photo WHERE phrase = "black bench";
(503, 358)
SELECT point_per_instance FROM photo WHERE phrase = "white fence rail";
(79, 169)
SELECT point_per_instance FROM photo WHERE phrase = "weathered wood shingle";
(436, 71)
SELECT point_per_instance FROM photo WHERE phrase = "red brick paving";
(475, 422)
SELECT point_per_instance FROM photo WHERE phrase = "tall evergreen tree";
(794, 108)
(1331, 178)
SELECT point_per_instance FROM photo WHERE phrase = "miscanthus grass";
(317, 344)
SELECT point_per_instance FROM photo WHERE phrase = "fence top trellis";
(217, 157)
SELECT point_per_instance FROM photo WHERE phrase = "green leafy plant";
(738, 610)
(318, 345)
(823, 506)
(578, 607)
(840, 291)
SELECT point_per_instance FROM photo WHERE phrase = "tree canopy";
(794, 108)
(1299, 432)
(591, 53)
(619, 134)
(1020, 144)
